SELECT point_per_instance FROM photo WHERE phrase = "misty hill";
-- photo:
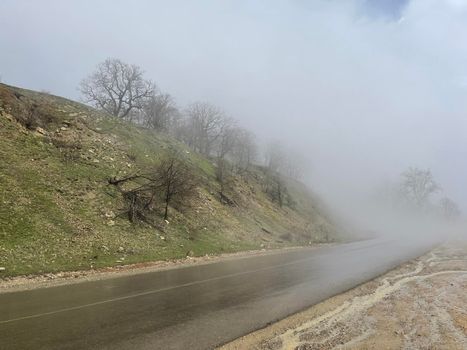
(59, 211)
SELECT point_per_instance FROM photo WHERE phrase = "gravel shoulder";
(19, 283)
(420, 305)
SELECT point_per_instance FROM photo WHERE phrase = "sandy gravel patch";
(420, 305)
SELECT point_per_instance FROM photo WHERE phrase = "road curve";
(196, 307)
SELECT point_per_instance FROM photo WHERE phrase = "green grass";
(56, 205)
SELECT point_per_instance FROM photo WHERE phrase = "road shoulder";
(421, 304)
(28, 282)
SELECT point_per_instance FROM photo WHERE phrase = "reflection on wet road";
(196, 307)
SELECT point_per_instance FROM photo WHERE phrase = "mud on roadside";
(420, 305)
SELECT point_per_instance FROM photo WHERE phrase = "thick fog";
(364, 89)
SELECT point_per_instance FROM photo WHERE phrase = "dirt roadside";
(420, 305)
(19, 283)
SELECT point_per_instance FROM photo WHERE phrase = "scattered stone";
(111, 223)
(163, 238)
(167, 222)
(9, 117)
(41, 131)
(121, 249)
(2, 269)
(63, 128)
(109, 214)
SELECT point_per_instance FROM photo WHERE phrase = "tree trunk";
(166, 211)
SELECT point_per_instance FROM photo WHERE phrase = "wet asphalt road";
(196, 307)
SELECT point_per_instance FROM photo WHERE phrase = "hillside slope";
(59, 212)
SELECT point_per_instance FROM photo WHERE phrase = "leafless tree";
(275, 156)
(225, 143)
(418, 185)
(245, 150)
(159, 111)
(449, 208)
(170, 183)
(294, 165)
(117, 88)
(176, 181)
(139, 192)
(204, 126)
(276, 188)
(227, 139)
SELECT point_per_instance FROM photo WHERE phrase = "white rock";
(2, 269)
(109, 214)
(41, 131)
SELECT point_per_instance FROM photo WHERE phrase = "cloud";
(361, 92)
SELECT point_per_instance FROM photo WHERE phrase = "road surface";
(196, 307)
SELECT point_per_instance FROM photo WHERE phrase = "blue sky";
(391, 9)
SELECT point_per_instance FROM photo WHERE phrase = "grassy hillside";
(58, 211)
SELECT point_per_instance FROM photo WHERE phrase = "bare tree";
(275, 156)
(227, 139)
(276, 188)
(117, 88)
(225, 143)
(139, 192)
(170, 183)
(203, 126)
(294, 165)
(418, 185)
(449, 208)
(245, 150)
(159, 111)
(176, 181)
